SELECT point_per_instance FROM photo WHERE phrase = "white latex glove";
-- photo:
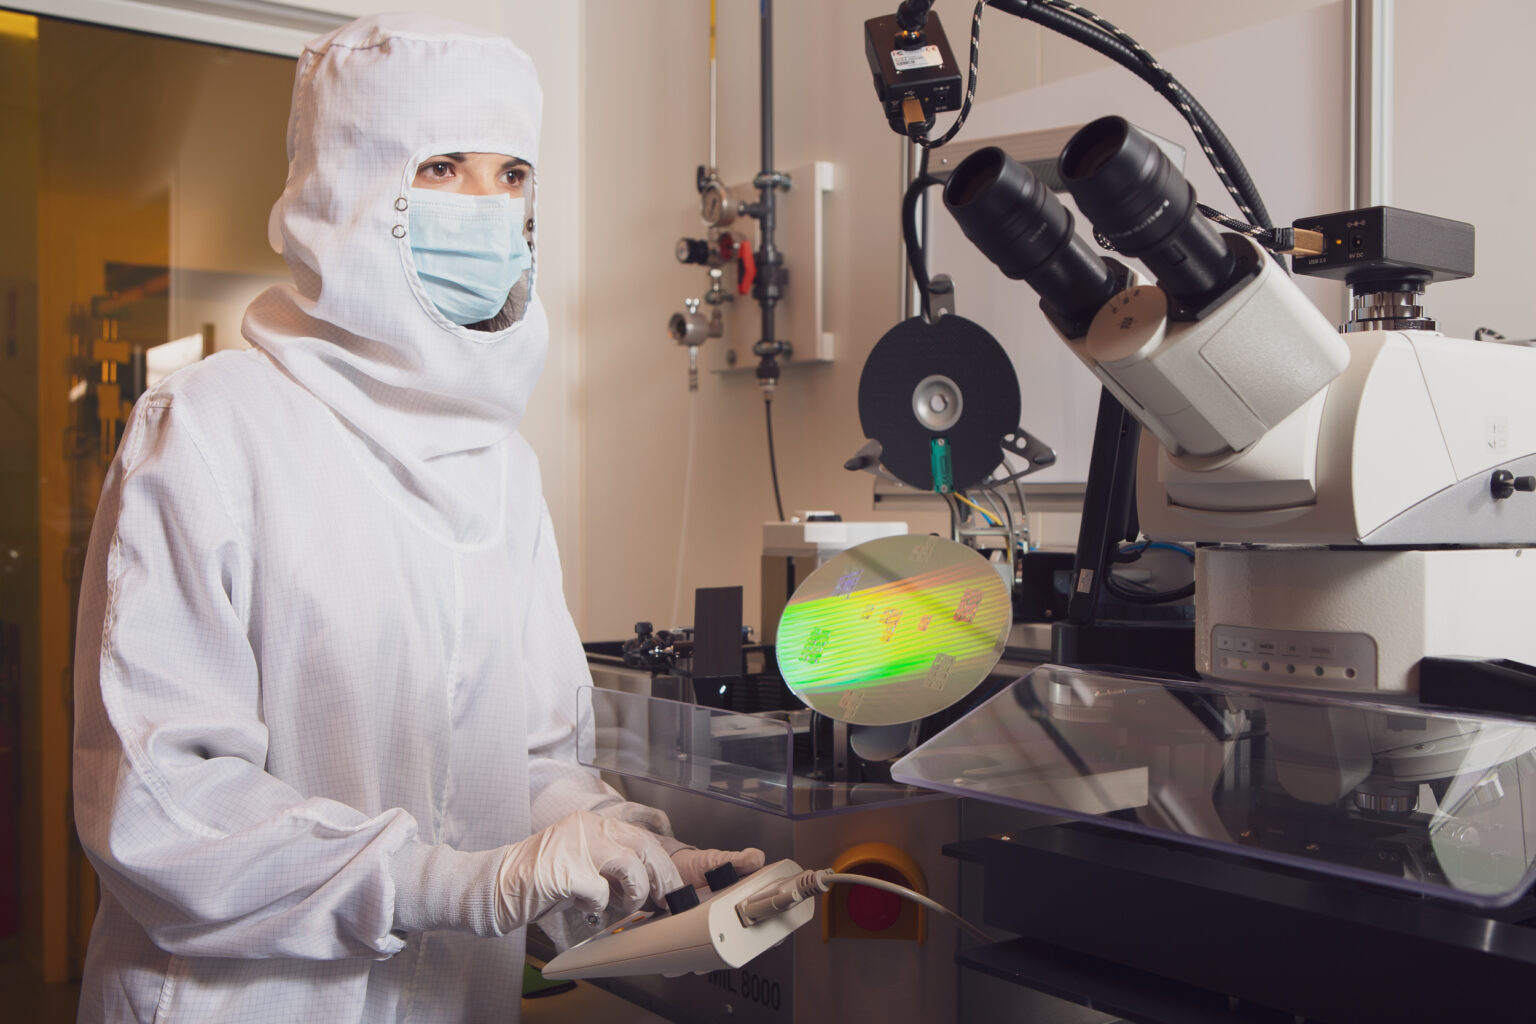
(692, 864)
(587, 859)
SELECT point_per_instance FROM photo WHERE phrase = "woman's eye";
(437, 170)
(517, 176)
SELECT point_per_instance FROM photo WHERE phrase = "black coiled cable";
(1084, 26)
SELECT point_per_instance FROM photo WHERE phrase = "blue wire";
(1162, 545)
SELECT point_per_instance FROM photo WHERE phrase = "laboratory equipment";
(1264, 426)
(1349, 780)
(916, 75)
(740, 756)
(708, 936)
(760, 270)
(780, 782)
(736, 922)
(916, 387)
(1231, 848)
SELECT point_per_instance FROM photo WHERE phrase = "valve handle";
(748, 266)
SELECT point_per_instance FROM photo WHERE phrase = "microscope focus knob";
(1504, 484)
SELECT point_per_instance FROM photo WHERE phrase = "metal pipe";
(1371, 113)
(769, 260)
(713, 105)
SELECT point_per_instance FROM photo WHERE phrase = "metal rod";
(1371, 115)
(713, 105)
(766, 69)
(994, 499)
(769, 260)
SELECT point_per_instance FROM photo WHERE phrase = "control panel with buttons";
(1335, 661)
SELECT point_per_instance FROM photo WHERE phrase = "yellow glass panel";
(22, 26)
(141, 171)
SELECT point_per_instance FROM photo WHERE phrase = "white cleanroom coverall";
(325, 668)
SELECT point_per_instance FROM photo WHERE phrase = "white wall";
(645, 130)
(1463, 148)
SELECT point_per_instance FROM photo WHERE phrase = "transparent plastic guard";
(742, 758)
(1435, 803)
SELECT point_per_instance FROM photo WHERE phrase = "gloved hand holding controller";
(586, 858)
(596, 862)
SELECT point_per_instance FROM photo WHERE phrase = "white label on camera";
(927, 57)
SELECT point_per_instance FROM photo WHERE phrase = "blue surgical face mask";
(469, 251)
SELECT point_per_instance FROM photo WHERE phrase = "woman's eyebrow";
(455, 157)
(514, 163)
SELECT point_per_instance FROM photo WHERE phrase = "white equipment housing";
(1321, 457)
(1213, 387)
(1357, 619)
(1399, 450)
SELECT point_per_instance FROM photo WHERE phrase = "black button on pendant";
(682, 900)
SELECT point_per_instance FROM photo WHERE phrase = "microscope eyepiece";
(1136, 198)
(1012, 217)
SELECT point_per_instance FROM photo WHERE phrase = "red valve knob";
(748, 273)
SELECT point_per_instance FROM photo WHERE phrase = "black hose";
(917, 260)
(1116, 587)
(1228, 165)
(970, 87)
(912, 15)
(773, 465)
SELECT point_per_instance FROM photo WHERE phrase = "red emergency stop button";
(854, 911)
(873, 909)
